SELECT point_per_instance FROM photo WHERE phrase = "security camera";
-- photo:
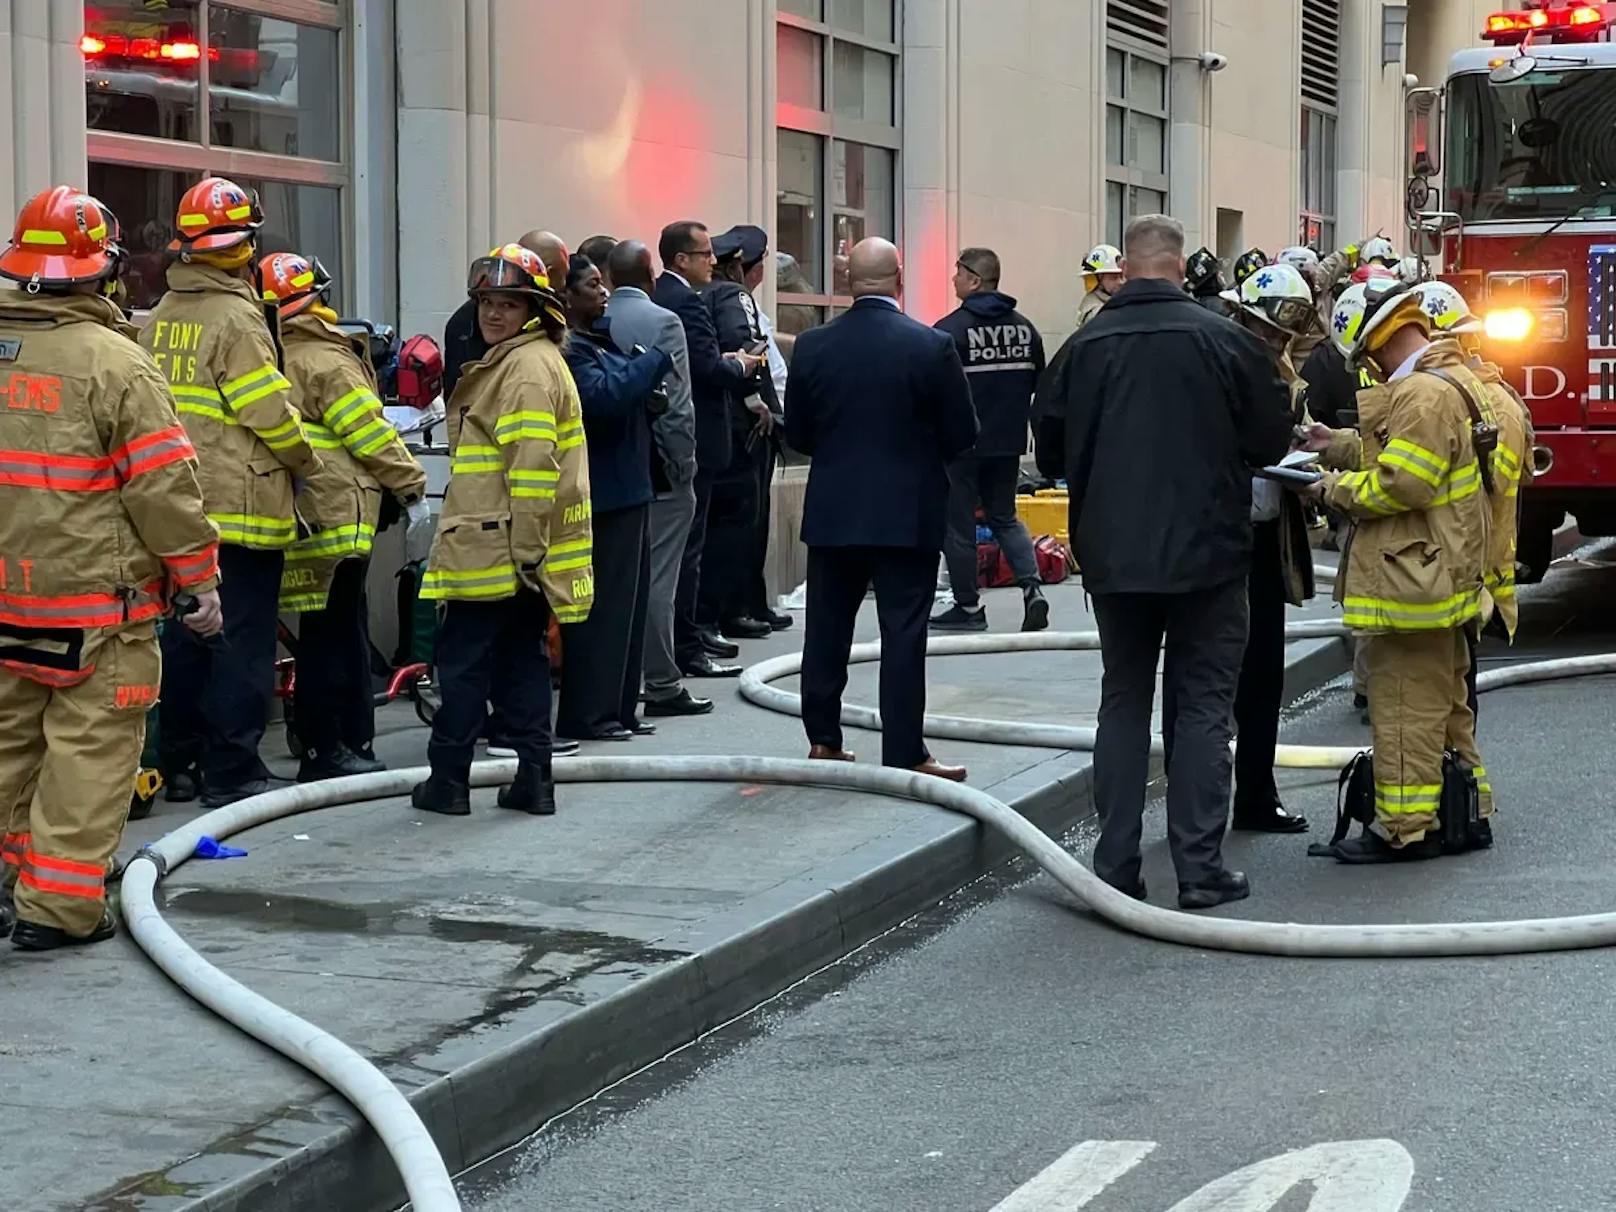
(1211, 61)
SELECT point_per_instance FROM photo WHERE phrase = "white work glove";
(418, 531)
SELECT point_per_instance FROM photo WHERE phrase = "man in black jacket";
(881, 405)
(1156, 421)
(1003, 356)
(686, 251)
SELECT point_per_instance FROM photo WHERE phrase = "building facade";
(397, 139)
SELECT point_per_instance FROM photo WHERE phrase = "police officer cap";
(750, 243)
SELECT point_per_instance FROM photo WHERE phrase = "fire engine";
(1523, 132)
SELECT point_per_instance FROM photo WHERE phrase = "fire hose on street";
(425, 1176)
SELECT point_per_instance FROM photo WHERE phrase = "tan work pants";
(68, 760)
(1418, 708)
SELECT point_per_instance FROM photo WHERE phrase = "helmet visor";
(496, 273)
(1292, 315)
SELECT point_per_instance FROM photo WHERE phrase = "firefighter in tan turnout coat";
(323, 581)
(514, 543)
(101, 524)
(210, 337)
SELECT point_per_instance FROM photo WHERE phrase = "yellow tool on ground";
(148, 783)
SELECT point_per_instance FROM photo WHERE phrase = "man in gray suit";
(635, 320)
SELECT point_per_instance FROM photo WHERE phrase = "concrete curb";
(479, 1098)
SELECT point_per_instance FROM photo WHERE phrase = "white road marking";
(1076, 1176)
(1346, 1176)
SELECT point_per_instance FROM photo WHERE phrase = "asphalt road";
(1006, 1051)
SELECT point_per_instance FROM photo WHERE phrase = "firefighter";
(1102, 278)
(1378, 250)
(212, 340)
(514, 542)
(334, 390)
(1451, 314)
(1412, 583)
(101, 524)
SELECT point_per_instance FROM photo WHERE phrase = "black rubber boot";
(182, 787)
(8, 915)
(1369, 848)
(1034, 609)
(443, 795)
(31, 936)
(532, 791)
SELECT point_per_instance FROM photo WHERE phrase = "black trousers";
(333, 702)
(1205, 633)
(216, 695)
(755, 590)
(600, 676)
(1261, 691)
(686, 600)
(992, 481)
(905, 580)
(737, 548)
(492, 650)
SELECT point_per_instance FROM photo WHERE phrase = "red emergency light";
(1573, 23)
(116, 46)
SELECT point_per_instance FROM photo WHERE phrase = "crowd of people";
(615, 416)
(1422, 445)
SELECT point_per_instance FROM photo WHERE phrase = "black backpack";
(1459, 821)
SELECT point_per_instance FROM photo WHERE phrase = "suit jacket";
(712, 376)
(881, 404)
(634, 320)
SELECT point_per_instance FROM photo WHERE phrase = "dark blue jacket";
(712, 376)
(612, 388)
(1003, 356)
(880, 403)
(463, 344)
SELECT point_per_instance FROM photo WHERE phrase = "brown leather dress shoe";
(824, 753)
(931, 766)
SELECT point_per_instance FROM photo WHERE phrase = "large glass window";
(1317, 225)
(1537, 148)
(837, 88)
(273, 79)
(1136, 131)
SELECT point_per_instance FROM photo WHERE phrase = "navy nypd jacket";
(1003, 356)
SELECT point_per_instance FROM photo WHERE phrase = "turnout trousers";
(494, 651)
(68, 759)
(1417, 708)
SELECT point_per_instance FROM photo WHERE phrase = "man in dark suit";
(686, 251)
(881, 404)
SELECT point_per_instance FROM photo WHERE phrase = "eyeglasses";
(973, 272)
(705, 254)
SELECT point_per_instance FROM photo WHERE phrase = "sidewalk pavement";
(500, 968)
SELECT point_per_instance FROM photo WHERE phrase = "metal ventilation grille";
(1142, 21)
(1321, 52)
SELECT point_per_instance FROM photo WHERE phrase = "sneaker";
(960, 618)
(340, 762)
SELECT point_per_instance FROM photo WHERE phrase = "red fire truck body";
(1528, 222)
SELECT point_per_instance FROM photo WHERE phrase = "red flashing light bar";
(1573, 23)
(116, 46)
